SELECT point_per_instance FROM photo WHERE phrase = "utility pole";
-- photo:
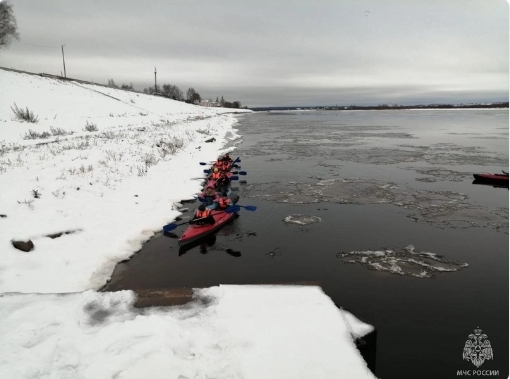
(155, 85)
(64, 61)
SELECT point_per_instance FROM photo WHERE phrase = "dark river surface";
(362, 186)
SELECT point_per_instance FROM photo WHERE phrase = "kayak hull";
(195, 232)
(492, 178)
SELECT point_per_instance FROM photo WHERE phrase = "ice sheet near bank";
(229, 332)
(105, 167)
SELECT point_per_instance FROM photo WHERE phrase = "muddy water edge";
(366, 181)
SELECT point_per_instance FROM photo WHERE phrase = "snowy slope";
(112, 188)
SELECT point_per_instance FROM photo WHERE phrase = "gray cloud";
(271, 53)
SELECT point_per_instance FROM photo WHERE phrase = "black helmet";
(224, 194)
(201, 207)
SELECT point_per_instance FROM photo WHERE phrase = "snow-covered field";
(98, 175)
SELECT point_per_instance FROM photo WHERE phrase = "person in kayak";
(216, 174)
(202, 216)
(209, 195)
(224, 202)
(222, 182)
(218, 163)
(226, 158)
(219, 178)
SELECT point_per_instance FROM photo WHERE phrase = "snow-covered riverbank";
(97, 175)
(111, 188)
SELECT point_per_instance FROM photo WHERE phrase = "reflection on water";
(208, 243)
(490, 184)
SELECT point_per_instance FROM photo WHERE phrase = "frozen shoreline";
(112, 188)
(108, 191)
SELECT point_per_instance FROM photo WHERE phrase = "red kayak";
(194, 232)
(492, 178)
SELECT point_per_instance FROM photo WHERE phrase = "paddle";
(208, 163)
(169, 227)
(231, 178)
(237, 208)
(232, 172)
(248, 207)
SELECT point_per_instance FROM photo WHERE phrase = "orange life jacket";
(224, 203)
(203, 214)
(216, 175)
(225, 166)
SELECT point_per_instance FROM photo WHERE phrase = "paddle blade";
(237, 160)
(249, 207)
(202, 163)
(207, 171)
(242, 172)
(233, 209)
(234, 177)
(169, 227)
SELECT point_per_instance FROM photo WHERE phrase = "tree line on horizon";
(173, 92)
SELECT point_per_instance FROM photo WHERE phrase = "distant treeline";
(388, 107)
(173, 92)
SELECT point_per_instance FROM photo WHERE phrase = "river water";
(379, 209)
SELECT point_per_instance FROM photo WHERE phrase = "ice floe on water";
(439, 174)
(441, 209)
(405, 262)
(301, 219)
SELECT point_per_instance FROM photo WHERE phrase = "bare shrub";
(27, 202)
(84, 169)
(113, 155)
(90, 127)
(150, 160)
(59, 131)
(24, 114)
(3, 148)
(82, 145)
(34, 135)
(108, 135)
(142, 171)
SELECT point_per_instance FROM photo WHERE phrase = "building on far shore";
(207, 103)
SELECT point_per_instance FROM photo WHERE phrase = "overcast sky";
(275, 52)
